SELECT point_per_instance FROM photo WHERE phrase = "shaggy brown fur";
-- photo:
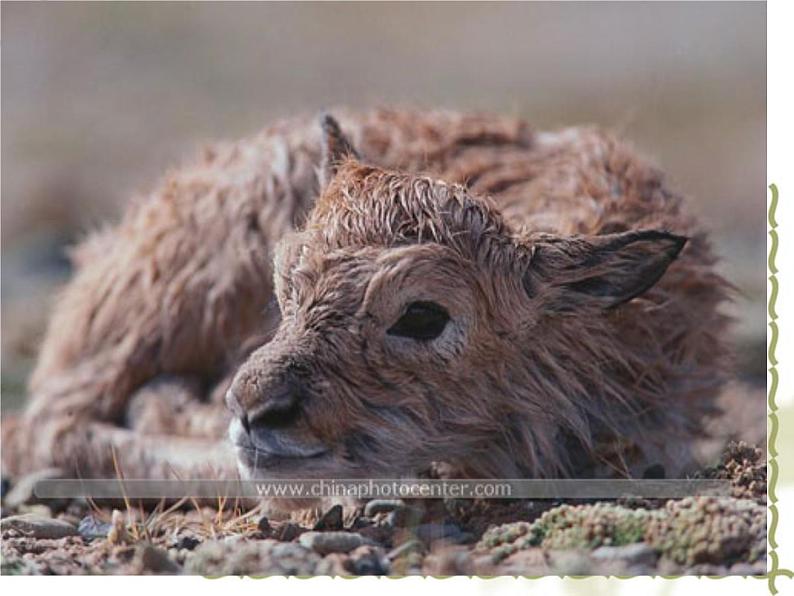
(560, 355)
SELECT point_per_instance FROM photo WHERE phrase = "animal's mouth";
(274, 447)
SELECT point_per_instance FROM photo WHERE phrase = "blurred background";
(98, 100)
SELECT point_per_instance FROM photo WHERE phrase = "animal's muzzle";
(273, 425)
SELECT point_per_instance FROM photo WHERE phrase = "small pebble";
(325, 543)
(91, 528)
(264, 526)
(368, 560)
(287, 532)
(35, 526)
(331, 521)
(382, 506)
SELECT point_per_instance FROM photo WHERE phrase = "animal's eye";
(422, 321)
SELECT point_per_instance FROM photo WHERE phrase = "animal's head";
(417, 327)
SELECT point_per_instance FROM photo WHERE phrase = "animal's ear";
(599, 271)
(336, 148)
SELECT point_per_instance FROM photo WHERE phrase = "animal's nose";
(281, 409)
(277, 406)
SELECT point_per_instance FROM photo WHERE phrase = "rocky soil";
(695, 535)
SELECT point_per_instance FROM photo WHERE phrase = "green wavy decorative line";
(772, 252)
(773, 344)
(772, 573)
(775, 570)
(771, 494)
(772, 435)
(773, 390)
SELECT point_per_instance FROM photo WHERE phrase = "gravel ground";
(695, 535)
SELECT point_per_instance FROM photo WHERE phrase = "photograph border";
(774, 431)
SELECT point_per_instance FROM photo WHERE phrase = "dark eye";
(422, 321)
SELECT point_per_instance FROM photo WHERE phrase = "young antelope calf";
(422, 288)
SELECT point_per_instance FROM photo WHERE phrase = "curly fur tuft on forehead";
(368, 206)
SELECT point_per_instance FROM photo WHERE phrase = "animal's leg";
(171, 405)
(158, 456)
(92, 449)
(161, 415)
(55, 430)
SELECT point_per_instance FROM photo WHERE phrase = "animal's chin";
(262, 466)
(277, 452)
(283, 455)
